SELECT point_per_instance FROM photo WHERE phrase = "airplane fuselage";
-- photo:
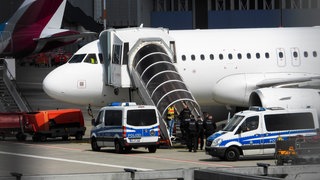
(219, 67)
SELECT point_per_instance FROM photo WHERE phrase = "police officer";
(200, 132)
(209, 126)
(192, 134)
(184, 116)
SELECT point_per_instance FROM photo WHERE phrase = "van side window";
(99, 118)
(278, 122)
(113, 118)
(251, 123)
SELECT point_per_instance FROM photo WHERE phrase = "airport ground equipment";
(12, 124)
(298, 150)
(43, 124)
(56, 123)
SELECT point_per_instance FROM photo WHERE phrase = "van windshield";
(233, 123)
(141, 117)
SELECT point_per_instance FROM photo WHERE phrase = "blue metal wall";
(240, 19)
(172, 20)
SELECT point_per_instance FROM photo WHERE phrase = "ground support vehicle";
(56, 123)
(125, 126)
(13, 124)
(298, 150)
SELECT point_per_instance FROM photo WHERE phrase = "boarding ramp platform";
(158, 81)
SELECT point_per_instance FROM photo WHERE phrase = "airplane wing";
(285, 82)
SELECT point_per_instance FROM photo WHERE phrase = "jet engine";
(292, 98)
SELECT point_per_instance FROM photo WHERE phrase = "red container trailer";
(12, 124)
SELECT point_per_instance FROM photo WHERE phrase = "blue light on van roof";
(257, 108)
(122, 104)
(116, 104)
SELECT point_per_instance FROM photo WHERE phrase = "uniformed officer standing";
(192, 134)
(209, 126)
(200, 132)
(184, 116)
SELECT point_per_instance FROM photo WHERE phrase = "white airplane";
(269, 67)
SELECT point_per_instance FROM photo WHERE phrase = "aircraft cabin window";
(314, 53)
(183, 57)
(101, 58)
(305, 54)
(202, 57)
(267, 55)
(295, 54)
(77, 58)
(258, 55)
(248, 56)
(221, 56)
(91, 58)
(281, 55)
(211, 56)
(239, 56)
(230, 56)
(193, 57)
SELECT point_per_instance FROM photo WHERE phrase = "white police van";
(125, 126)
(255, 131)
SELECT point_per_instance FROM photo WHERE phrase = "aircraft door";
(281, 57)
(116, 65)
(295, 57)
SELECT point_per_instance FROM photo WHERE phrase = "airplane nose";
(53, 83)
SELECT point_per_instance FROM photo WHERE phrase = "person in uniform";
(200, 132)
(184, 116)
(192, 134)
(209, 126)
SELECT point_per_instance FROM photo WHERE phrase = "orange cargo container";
(56, 123)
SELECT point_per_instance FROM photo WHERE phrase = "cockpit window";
(101, 58)
(91, 58)
(77, 58)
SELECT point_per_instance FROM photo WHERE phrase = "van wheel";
(128, 149)
(232, 154)
(152, 149)
(94, 145)
(78, 136)
(118, 147)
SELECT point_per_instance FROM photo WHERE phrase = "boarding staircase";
(158, 81)
(10, 99)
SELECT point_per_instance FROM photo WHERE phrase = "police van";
(255, 131)
(125, 126)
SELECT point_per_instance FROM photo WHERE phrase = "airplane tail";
(36, 27)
